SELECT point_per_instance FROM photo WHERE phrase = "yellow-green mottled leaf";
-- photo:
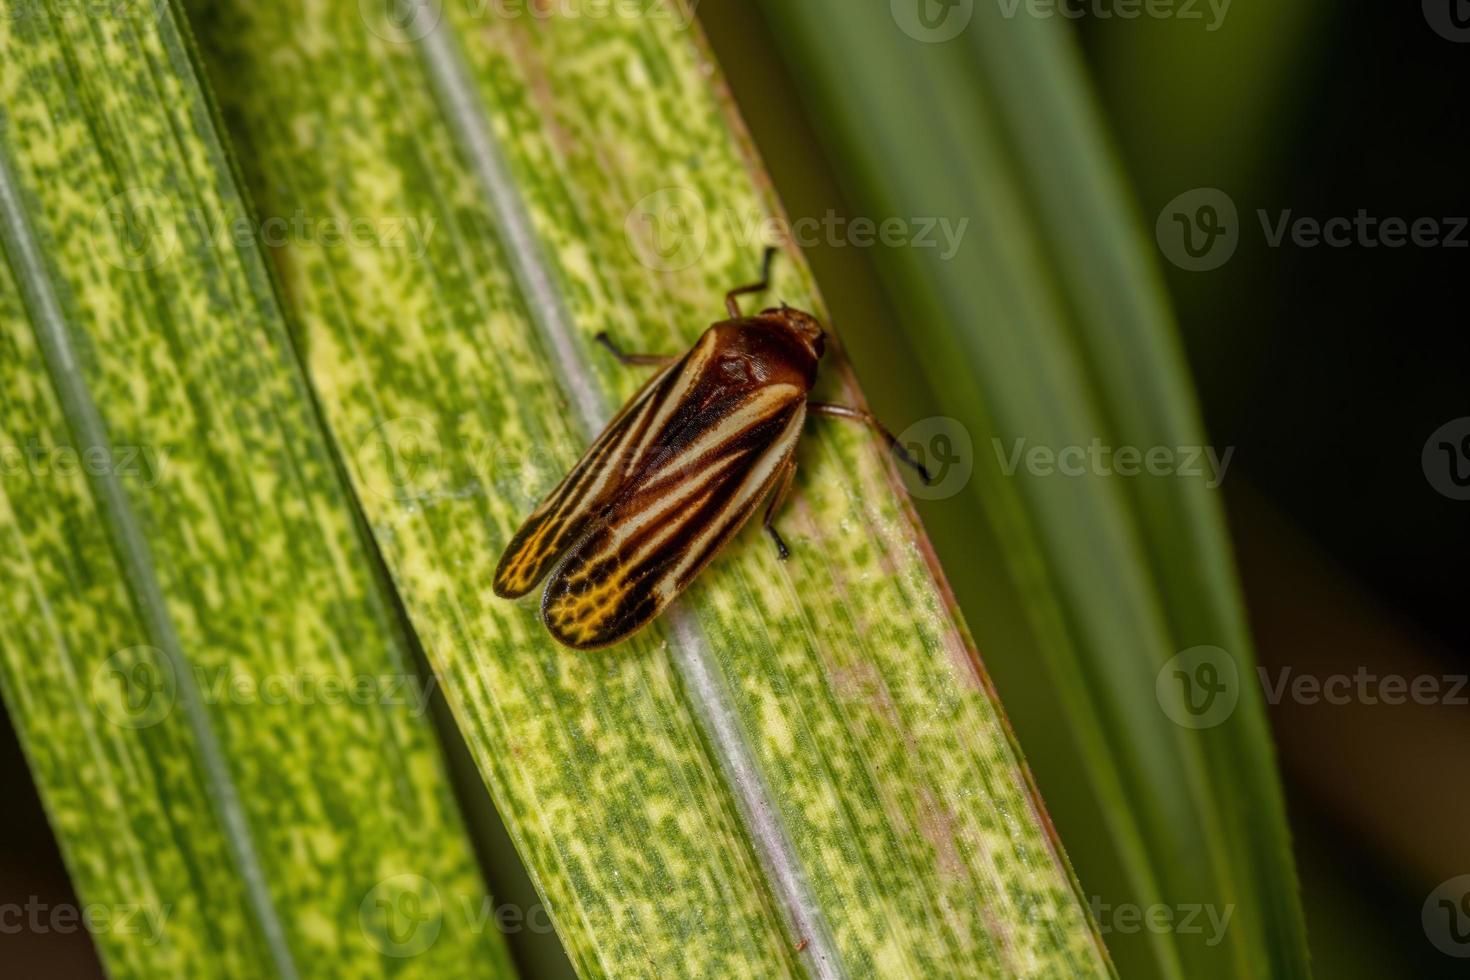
(209, 686)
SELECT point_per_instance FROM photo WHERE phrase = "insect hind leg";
(634, 360)
(866, 418)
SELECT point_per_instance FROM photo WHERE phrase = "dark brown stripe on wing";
(662, 531)
(582, 495)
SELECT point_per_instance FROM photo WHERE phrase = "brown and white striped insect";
(675, 475)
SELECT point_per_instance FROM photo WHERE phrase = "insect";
(675, 474)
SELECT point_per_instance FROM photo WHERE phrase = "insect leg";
(633, 360)
(783, 487)
(856, 415)
(732, 304)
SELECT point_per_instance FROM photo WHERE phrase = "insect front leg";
(866, 418)
(783, 487)
(732, 304)
(635, 360)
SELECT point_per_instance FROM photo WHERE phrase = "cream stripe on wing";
(656, 541)
(693, 369)
(756, 480)
(591, 562)
(766, 401)
(547, 527)
(596, 466)
(619, 535)
(667, 502)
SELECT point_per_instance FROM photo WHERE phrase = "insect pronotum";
(675, 474)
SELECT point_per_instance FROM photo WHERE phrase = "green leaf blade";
(202, 621)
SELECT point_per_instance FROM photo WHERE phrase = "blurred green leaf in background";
(1048, 329)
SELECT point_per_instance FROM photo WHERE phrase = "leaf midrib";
(689, 649)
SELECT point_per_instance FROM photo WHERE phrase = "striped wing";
(581, 497)
(584, 495)
(705, 480)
